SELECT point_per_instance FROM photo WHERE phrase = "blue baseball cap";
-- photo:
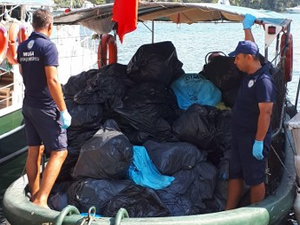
(245, 47)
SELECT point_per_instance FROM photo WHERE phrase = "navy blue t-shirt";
(34, 54)
(255, 88)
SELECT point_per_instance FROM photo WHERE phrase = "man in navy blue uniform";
(251, 116)
(44, 109)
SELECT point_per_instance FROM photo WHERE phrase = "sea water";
(191, 43)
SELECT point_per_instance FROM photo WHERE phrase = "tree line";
(275, 5)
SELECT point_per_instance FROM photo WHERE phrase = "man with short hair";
(251, 116)
(45, 114)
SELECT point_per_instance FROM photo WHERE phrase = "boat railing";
(11, 94)
(6, 95)
(89, 47)
(77, 50)
(3, 73)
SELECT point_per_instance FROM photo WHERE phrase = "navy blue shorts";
(42, 126)
(243, 165)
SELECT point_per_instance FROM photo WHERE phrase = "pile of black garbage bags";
(117, 111)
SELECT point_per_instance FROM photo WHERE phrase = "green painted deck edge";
(19, 210)
(11, 121)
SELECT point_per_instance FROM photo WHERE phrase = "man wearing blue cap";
(251, 116)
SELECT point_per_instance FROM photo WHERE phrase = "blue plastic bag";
(194, 88)
(86, 214)
(143, 172)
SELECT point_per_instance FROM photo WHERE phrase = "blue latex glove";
(65, 119)
(257, 150)
(248, 21)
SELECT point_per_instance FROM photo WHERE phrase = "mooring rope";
(281, 162)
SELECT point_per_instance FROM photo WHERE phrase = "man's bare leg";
(50, 174)
(234, 193)
(33, 164)
(257, 193)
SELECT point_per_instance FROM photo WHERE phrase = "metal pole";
(297, 94)
(22, 12)
(152, 32)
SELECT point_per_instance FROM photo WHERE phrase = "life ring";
(288, 55)
(107, 50)
(3, 42)
(23, 33)
(16, 35)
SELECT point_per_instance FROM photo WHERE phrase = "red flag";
(125, 14)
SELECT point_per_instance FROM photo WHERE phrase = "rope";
(68, 210)
(281, 162)
(121, 214)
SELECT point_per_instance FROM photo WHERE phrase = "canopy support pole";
(152, 31)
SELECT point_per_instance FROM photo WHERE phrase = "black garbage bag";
(229, 96)
(65, 173)
(89, 192)
(191, 189)
(77, 83)
(138, 201)
(118, 71)
(224, 130)
(85, 125)
(135, 136)
(87, 116)
(149, 109)
(58, 198)
(170, 157)
(153, 99)
(225, 137)
(197, 126)
(156, 62)
(107, 86)
(108, 196)
(76, 138)
(220, 196)
(220, 158)
(107, 155)
(223, 73)
(145, 127)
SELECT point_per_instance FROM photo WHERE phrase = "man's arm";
(55, 87)
(263, 123)
(247, 24)
(264, 118)
(248, 35)
(57, 95)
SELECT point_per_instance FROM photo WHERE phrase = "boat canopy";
(99, 17)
